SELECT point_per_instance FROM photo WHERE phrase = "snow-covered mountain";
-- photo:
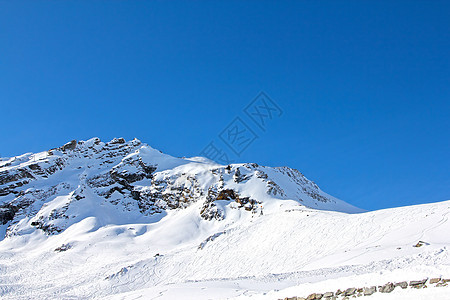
(123, 182)
(121, 219)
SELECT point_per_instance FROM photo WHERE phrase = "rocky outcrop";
(7, 213)
(387, 288)
(314, 296)
(63, 247)
(420, 244)
(418, 284)
(349, 292)
(15, 175)
(368, 291)
(210, 210)
(49, 229)
(69, 146)
(434, 280)
(402, 284)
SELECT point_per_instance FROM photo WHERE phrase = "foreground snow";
(94, 236)
(294, 250)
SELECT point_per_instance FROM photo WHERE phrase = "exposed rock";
(14, 175)
(227, 195)
(349, 292)
(402, 284)
(210, 211)
(7, 213)
(328, 294)
(434, 280)
(49, 229)
(69, 146)
(238, 177)
(420, 244)
(369, 290)
(418, 282)
(387, 288)
(117, 141)
(419, 286)
(314, 296)
(63, 247)
(274, 189)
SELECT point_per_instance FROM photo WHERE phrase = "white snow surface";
(123, 242)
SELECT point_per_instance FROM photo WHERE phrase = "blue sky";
(363, 86)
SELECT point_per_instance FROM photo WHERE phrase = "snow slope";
(122, 220)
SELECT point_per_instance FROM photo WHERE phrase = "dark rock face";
(13, 179)
(210, 210)
(47, 228)
(239, 178)
(227, 195)
(15, 175)
(142, 171)
(69, 146)
(7, 213)
(246, 202)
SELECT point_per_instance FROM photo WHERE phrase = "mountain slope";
(94, 219)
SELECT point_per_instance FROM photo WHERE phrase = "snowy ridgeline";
(121, 219)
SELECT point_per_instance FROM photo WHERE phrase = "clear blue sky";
(363, 85)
